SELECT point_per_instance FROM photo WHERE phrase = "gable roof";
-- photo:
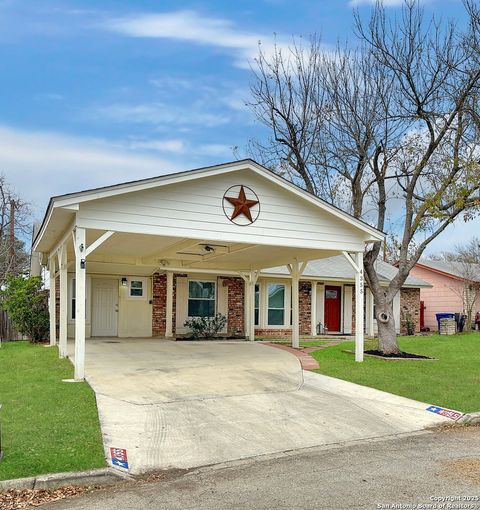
(451, 268)
(72, 199)
(338, 268)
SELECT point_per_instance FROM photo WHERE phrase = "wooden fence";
(7, 330)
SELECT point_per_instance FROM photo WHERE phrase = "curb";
(103, 476)
(470, 419)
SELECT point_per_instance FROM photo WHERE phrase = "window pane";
(275, 317)
(136, 288)
(331, 294)
(201, 308)
(256, 317)
(73, 309)
(202, 290)
(257, 295)
(276, 295)
(74, 288)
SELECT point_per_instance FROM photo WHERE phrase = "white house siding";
(134, 315)
(193, 209)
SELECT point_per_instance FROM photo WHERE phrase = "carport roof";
(70, 200)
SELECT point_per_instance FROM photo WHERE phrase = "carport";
(230, 220)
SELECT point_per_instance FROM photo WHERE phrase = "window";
(201, 298)
(257, 303)
(74, 291)
(137, 288)
(276, 304)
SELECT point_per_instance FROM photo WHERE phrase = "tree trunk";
(387, 335)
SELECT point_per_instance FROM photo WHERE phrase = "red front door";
(332, 307)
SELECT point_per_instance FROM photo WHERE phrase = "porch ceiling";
(143, 254)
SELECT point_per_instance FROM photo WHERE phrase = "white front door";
(104, 307)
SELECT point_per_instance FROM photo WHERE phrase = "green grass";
(47, 425)
(453, 381)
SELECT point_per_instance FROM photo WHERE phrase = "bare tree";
(387, 129)
(14, 225)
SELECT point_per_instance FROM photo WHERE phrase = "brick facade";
(236, 310)
(159, 304)
(409, 306)
(305, 308)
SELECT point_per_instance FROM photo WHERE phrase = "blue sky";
(98, 92)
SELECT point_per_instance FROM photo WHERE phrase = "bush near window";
(27, 306)
(206, 327)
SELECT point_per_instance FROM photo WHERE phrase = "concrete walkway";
(187, 404)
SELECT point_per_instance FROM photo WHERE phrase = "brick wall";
(159, 304)
(305, 308)
(235, 306)
(409, 304)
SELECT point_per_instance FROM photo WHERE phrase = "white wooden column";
(251, 311)
(296, 270)
(62, 264)
(250, 280)
(359, 308)
(80, 284)
(313, 309)
(169, 306)
(52, 301)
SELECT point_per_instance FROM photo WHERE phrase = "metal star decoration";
(242, 205)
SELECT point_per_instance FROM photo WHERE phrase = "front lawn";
(47, 425)
(453, 381)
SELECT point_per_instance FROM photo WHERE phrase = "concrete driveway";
(188, 404)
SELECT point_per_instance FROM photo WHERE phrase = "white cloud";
(176, 146)
(39, 165)
(158, 114)
(190, 26)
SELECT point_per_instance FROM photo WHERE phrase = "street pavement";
(429, 470)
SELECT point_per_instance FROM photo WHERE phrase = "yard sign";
(453, 415)
(119, 457)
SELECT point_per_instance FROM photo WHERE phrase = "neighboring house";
(136, 259)
(451, 288)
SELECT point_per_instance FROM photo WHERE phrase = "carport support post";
(313, 309)
(359, 305)
(62, 263)
(80, 280)
(52, 301)
(169, 306)
(295, 270)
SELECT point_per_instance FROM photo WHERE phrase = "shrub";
(409, 323)
(27, 306)
(206, 327)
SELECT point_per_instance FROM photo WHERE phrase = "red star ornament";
(242, 205)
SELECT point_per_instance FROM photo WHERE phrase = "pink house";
(447, 293)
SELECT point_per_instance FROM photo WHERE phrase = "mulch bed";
(392, 357)
(17, 499)
(401, 355)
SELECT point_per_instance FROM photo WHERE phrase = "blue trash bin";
(444, 315)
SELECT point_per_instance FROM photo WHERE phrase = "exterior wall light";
(124, 282)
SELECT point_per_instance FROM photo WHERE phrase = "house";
(327, 300)
(451, 287)
(135, 259)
